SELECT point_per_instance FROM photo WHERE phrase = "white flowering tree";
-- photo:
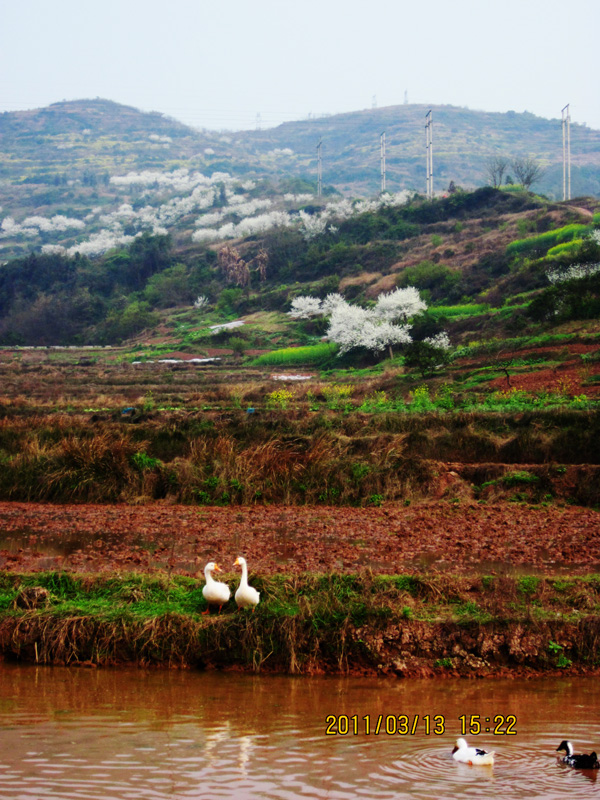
(305, 307)
(354, 326)
(374, 329)
(399, 304)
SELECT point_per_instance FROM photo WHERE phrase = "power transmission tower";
(258, 121)
(374, 101)
(566, 139)
(382, 151)
(429, 153)
(319, 170)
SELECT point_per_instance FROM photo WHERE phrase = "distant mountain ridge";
(77, 169)
(463, 141)
(103, 135)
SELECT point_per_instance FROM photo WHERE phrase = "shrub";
(280, 398)
(438, 279)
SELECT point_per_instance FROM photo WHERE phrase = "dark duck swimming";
(577, 760)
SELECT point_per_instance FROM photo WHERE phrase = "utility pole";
(429, 153)
(382, 151)
(566, 138)
(319, 170)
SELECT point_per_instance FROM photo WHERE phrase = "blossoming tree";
(375, 329)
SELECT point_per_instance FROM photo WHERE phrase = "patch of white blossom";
(440, 340)
(354, 326)
(246, 227)
(33, 226)
(575, 271)
(298, 198)
(191, 192)
(373, 328)
(572, 273)
(305, 307)
(400, 303)
(312, 224)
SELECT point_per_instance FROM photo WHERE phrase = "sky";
(243, 64)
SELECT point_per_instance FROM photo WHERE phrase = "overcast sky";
(220, 63)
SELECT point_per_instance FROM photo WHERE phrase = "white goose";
(245, 595)
(471, 755)
(214, 592)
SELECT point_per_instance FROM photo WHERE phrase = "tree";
(428, 354)
(233, 266)
(527, 170)
(353, 326)
(399, 304)
(495, 168)
(238, 345)
(305, 307)
(261, 260)
(375, 328)
(372, 328)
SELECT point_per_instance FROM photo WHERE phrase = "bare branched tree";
(261, 260)
(234, 267)
(527, 171)
(495, 169)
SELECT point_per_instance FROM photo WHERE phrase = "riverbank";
(404, 625)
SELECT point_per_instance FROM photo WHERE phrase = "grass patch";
(312, 355)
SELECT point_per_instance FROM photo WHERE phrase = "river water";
(116, 734)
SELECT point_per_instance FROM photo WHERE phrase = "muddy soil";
(502, 538)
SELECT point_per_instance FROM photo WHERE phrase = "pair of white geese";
(217, 593)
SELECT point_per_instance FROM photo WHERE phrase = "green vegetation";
(317, 354)
(544, 241)
(303, 623)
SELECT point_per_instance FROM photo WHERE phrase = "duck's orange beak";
(217, 568)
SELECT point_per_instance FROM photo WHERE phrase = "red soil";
(392, 539)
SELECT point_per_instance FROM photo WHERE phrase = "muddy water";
(116, 734)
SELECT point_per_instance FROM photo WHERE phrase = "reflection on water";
(116, 734)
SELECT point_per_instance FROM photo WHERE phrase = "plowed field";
(501, 538)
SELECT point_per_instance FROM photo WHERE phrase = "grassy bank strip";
(403, 624)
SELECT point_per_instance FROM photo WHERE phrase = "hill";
(233, 400)
(74, 169)
(463, 140)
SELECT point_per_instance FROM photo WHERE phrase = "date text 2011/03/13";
(406, 725)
